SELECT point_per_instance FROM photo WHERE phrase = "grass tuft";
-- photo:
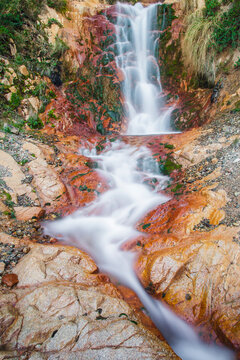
(197, 45)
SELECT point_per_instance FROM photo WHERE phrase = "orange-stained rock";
(182, 216)
(198, 277)
(9, 279)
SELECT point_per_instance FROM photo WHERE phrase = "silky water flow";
(102, 227)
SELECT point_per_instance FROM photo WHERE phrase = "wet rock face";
(92, 99)
(61, 310)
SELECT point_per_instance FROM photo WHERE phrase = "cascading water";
(137, 41)
(102, 227)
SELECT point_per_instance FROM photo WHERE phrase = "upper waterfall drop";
(137, 40)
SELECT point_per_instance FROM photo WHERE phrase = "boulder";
(46, 181)
(23, 70)
(25, 213)
(198, 277)
(13, 177)
(30, 106)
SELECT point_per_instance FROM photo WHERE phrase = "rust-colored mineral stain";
(10, 280)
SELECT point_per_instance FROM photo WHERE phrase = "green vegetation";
(24, 41)
(210, 31)
(59, 48)
(54, 21)
(52, 115)
(197, 49)
(176, 188)
(211, 7)
(7, 199)
(169, 146)
(145, 226)
(237, 63)
(227, 30)
(101, 98)
(18, 23)
(15, 101)
(58, 5)
(34, 122)
(165, 16)
(169, 165)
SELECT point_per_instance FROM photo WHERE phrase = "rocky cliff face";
(54, 302)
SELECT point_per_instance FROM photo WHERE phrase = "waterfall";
(103, 226)
(137, 43)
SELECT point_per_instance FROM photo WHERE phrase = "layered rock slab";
(198, 276)
(60, 309)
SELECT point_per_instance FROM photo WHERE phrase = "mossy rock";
(168, 166)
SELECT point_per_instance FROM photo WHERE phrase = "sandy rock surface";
(61, 310)
(13, 177)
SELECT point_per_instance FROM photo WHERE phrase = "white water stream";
(137, 41)
(102, 227)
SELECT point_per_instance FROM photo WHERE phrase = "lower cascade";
(102, 227)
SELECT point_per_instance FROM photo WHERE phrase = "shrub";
(58, 5)
(15, 16)
(211, 7)
(227, 29)
(210, 31)
(51, 114)
(34, 122)
(59, 48)
(15, 101)
(40, 89)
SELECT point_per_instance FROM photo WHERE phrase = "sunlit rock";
(71, 315)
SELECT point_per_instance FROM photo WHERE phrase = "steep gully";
(102, 227)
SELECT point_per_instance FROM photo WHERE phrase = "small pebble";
(2, 267)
